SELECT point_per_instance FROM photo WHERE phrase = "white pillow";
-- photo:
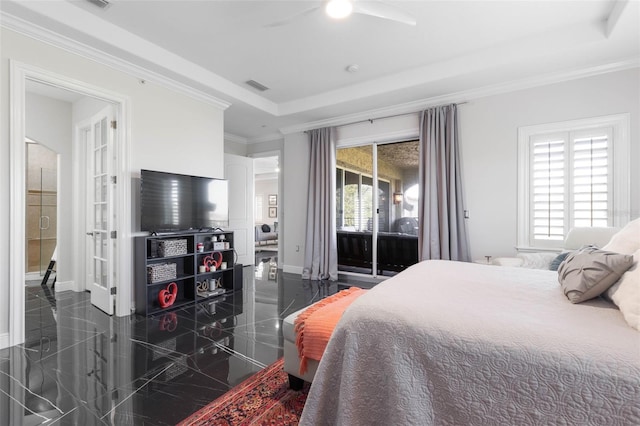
(537, 260)
(626, 293)
(507, 261)
(627, 240)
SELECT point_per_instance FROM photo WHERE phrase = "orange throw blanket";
(314, 326)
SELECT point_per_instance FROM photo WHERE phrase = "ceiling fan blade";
(383, 10)
(292, 17)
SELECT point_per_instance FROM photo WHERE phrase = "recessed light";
(353, 68)
(339, 9)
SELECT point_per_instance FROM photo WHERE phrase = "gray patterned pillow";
(589, 272)
(555, 263)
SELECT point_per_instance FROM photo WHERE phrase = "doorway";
(267, 203)
(69, 270)
(376, 208)
(42, 212)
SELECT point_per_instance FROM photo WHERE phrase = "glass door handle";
(42, 218)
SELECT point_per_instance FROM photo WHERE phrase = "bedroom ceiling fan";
(340, 9)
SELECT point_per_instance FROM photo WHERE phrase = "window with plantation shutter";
(566, 180)
(548, 188)
(590, 186)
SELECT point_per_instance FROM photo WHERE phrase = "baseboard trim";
(65, 286)
(292, 269)
(35, 276)
(4, 340)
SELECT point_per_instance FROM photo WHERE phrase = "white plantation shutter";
(591, 179)
(572, 174)
(570, 183)
(548, 189)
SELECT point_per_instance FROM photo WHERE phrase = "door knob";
(90, 234)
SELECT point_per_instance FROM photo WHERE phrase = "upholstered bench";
(291, 357)
(316, 327)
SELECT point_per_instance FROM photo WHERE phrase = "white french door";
(239, 172)
(100, 145)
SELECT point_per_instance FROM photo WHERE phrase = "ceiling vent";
(102, 4)
(256, 85)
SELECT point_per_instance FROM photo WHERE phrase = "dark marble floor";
(79, 366)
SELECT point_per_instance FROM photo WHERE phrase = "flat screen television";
(173, 202)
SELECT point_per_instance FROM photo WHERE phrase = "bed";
(451, 343)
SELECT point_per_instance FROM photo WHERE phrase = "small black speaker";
(153, 248)
(237, 276)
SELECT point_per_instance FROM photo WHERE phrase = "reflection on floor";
(266, 247)
(79, 366)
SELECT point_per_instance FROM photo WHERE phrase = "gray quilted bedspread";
(449, 343)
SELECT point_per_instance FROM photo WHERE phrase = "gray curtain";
(441, 209)
(321, 253)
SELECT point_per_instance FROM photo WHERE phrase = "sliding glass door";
(377, 223)
(354, 205)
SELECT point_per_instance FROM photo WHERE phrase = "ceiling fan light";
(339, 9)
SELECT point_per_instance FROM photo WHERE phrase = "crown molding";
(230, 137)
(465, 96)
(266, 138)
(250, 141)
(44, 35)
(373, 114)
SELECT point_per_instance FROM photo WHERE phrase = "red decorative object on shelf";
(215, 259)
(168, 295)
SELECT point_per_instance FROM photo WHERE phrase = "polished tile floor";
(79, 366)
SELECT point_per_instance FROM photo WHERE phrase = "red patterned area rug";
(262, 399)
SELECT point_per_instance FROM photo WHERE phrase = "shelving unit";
(188, 260)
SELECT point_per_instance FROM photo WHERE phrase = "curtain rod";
(371, 120)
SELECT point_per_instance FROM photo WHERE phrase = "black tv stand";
(187, 231)
(184, 259)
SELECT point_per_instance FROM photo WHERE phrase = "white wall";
(85, 108)
(294, 201)
(169, 131)
(48, 122)
(393, 129)
(488, 137)
(235, 148)
(488, 131)
(254, 149)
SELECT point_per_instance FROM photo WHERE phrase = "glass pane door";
(48, 217)
(397, 239)
(100, 206)
(354, 209)
(390, 172)
(102, 246)
(41, 207)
